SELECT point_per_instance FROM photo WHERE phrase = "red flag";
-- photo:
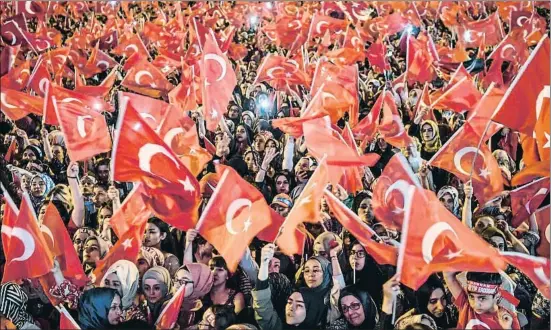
(236, 213)
(542, 218)
(144, 78)
(367, 127)
(16, 105)
(132, 212)
(11, 212)
(139, 154)
(280, 72)
(536, 268)
(183, 95)
(542, 129)
(513, 49)
(525, 200)
(482, 113)
(424, 101)
(457, 155)
(13, 30)
(7, 58)
(376, 55)
(488, 29)
(59, 242)
(527, 91)
(130, 44)
(382, 253)
(108, 40)
(28, 255)
(17, 78)
(127, 248)
(151, 110)
(11, 150)
(306, 209)
(391, 126)
(66, 321)
(40, 78)
(390, 191)
(321, 24)
(434, 241)
(419, 61)
(85, 130)
(392, 24)
(168, 317)
(219, 81)
(463, 95)
(351, 179)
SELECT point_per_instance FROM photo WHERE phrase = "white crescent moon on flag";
(50, 34)
(548, 234)
(397, 119)
(473, 322)
(42, 48)
(459, 155)
(42, 85)
(326, 95)
(28, 7)
(360, 16)
(71, 99)
(543, 94)
(542, 191)
(80, 125)
(13, 38)
(28, 243)
(356, 42)
(540, 273)
(147, 151)
(105, 64)
(109, 40)
(140, 74)
(5, 102)
(402, 186)
(270, 72)
(298, 25)
(293, 63)
(169, 136)
(520, 21)
(430, 237)
(319, 25)
(508, 46)
(146, 115)
(220, 61)
(132, 46)
(196, 50)
(48, 232)
(232, 209)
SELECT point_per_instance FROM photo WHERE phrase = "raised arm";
(453, 284)
(466, 216)
(46, 143)
(288, 153)
(78, 200)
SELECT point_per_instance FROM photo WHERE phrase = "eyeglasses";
(352, 307)
(358, 254)
(182, 281)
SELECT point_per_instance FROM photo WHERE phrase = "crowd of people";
(335, 283)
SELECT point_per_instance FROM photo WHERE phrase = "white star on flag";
(452, 255)
(485, 173)
(288, 75)
(247, 224)
(546, 145)
(187, 184)
(127, 243)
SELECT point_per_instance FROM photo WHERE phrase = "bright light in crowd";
(253, 20)
(467, 35)
(113, 3)
(409, 29)
(265, 103)
(269, 5)
(98, 106)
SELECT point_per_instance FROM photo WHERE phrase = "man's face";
(103, 173)
(100, 196)
(87, 186)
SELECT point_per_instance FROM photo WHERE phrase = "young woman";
(157, 235)
(224, 287)
(198, 280)
(365, 274)
(156, 285)
(99, 308)
(41, 184)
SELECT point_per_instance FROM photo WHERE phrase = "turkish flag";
(169, 315)
(235, 214)
(351, 179)
(321, 24)
(294, 125)
(127, 248)
(390, 191)
(346, 56)
(536, 268)
(289, 31)
(102, 90)
(382, 253)
(139, 154)
(542, 129)
(56, 59)
(16, 105)
(482, 113)
(473, 32)
(13, 30)
(305, 209)
(128, 44)
(424, 101)
(376, 55)
(525, 200)
(60, 244)
(419, 61)
(85, 130)
(528, 91)
(144, 78)
(151, 110)
(513, 49)
(97, 62)
(434, 241)
(66, 96)
(219, 80)
(457, 155)
(40, 78)
(108, 40)
(27, 254)
(281, 72)
(356, 12)
(533, 171)
(66, 321)
(463, 95)
(183, 95)
(392, 24)
(367, 127)
(542, 218)
(353, 39)
(11, 212)
(17, 78)
(8, 57)
(133, 212)
(391, 126)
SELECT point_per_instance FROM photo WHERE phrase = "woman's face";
(41, 213)
(29, 155)
(219, 275)
(153, 236)
(251, 162)
(365, 211)
(91, 252)
(153, 290)
(233, 113)
(143, 266)
(78, 242)
(352, 310)
(248, 121)
(437, 303)
(282, 184)
(38, 187)
(295, 310)
(115, 311)
(26, 182)
(104, 214)
(183, 277)
(483, 223)
(498, 243)
(259, 144)
(427, 132)
(313, 274)
(241, 134)
(271, 144)
(357, 257)
(447, 200)
(58, 152)
(112, 281)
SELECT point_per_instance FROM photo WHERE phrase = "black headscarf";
(370, 309)
(93, 308)
(281, 289)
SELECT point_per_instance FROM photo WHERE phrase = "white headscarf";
(128, 275)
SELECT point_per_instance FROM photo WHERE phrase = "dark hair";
(368, 305)
(224, 316)
(218, 261)
(485, 278)
(417, 326)
(167, 244)
(490, 232)
(422, 295)
(290, 178)
(358, 200)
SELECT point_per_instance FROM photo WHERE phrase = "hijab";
(153, 256)
(128, 275)
(161, 275)
(13, 304)
(47, 180)
(454, 194)
(410, 318)
(281, 289)
(93, 308)
(202, 283)
(316, 310)
(368, 305)
(434, 144)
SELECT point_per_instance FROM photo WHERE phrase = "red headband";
(482, 288)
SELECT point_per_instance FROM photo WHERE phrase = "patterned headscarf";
(13, 304)
(434, 144)
(409, 319)
(128, 275)
(153, 256)
(455, 195)
(47, 180)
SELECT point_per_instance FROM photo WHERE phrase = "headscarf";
(153, 256)
(128, 275)
(36, 150)
(434, 144)
(453, 193)
(410, 318)
(93, 308)
(13, 304)
(370, 309)
(202, 282)
(281, 289)
(86, 230)
(160, 274)
(47, 180)
(316, 309)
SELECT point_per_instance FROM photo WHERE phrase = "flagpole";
(481, 138)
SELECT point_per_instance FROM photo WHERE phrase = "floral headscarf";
(153, 256)
(434, 144)
(47, 180)
(453, 193)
